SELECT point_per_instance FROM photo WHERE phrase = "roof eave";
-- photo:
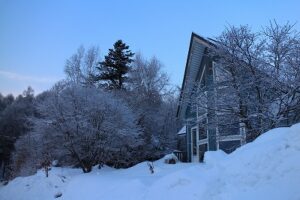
(206, 43)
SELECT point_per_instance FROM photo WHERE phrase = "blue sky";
(36, 36)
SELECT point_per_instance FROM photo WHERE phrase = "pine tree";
(115, 66)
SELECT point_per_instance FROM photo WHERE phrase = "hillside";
(268, 168)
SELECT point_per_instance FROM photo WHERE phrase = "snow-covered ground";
(268, 168)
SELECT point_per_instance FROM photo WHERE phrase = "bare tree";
(283, 61)
(80, 67)
(256, 79)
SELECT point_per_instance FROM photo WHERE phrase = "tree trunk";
(86, 167)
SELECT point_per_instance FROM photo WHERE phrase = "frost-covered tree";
(83, 126)
(241, 84)
(13, 124)
(283, 64)
(24, 159)
(5, 101)
(149, 94)
(256, 79)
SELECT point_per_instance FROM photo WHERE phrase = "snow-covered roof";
(182, 131)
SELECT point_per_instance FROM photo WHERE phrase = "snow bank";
(268, 168)
(38, 187)
(214, 157)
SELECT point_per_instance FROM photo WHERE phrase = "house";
(201, 130)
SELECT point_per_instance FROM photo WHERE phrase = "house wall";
(211, 112)
(200, 71)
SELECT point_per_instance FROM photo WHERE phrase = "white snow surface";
(268, 168)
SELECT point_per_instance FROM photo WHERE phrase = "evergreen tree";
(115, 66)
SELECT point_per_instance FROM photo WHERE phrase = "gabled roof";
(204, 43)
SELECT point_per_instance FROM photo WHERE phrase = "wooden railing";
(180, 155)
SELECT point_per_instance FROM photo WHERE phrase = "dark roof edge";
(185, 71)
(208, 44)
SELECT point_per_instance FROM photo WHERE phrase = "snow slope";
(268, 168)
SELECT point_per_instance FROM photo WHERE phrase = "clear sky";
(36, 36)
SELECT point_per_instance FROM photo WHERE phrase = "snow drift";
(268, 168)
